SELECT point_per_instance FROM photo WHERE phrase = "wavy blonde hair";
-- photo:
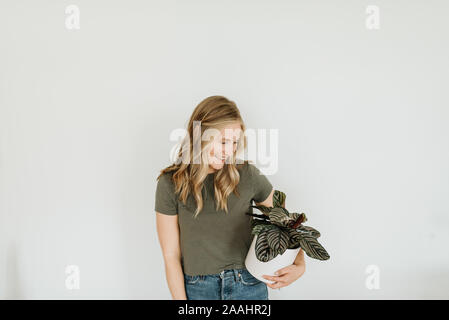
(214, 112)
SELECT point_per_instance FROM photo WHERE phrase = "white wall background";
(85, 118)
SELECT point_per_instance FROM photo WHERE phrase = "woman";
(200, 204)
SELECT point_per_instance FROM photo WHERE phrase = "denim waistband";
(227, 273)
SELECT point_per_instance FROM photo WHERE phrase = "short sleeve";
(165, 199)
(262, 187)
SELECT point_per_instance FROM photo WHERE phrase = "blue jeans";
(231, 284)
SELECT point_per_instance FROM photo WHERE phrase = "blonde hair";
(214, 112)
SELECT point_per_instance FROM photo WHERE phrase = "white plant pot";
(258, 268)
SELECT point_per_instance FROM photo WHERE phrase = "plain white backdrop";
(86, 114)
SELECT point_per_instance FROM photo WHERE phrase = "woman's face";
(224, 146)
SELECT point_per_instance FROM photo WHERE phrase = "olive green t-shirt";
(215, 240)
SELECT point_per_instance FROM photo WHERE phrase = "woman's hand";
(289, 274)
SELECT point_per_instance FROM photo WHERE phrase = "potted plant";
(278, 237)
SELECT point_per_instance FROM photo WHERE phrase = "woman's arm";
(168, 233)
(268, 202)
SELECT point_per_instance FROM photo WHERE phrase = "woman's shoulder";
(246, 164)
(247, 167)
(165, 180)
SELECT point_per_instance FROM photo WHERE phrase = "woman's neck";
(211, 170)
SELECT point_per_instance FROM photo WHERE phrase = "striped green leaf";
(308, 231)
(280, 217)
(313, 248)
(294, 237)
(279, 198)
(259, 226)
(277, 239)
(263, 251)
